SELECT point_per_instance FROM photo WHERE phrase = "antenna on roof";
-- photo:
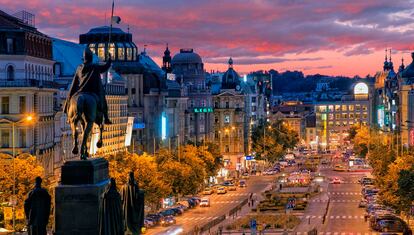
(128, 28)
(390, 55)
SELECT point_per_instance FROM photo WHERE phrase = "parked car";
(221, 190)
(148, 223)
(183, 207)
(196, 199)
(208, 191)
(156, 217)
(177, 211)
(168, 220)
(242, 184)
(168, 212)
(185, 203)
(389, 223)
(205, 202)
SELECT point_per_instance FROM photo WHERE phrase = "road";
(343, 216)
(220, 205)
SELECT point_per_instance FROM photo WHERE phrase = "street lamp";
(28, 119)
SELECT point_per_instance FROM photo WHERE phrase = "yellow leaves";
(26, 169)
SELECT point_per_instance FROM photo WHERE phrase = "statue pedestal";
(77, 197)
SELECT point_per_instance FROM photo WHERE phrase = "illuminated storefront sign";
(203, 110)
(381, 115)
(163, 127)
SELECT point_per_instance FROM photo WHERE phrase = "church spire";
(402, 66)
(386, 64)
(166, 60)
(230, 63)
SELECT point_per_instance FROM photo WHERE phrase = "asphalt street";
(220, 205)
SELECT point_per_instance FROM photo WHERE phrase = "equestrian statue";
(86, 102)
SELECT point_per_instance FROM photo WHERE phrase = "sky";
(331, 37)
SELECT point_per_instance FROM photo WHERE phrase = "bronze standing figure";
(86, 102)
(133, 206)
(37, 209)
(110, 212)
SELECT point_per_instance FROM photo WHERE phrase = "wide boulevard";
(220, 205)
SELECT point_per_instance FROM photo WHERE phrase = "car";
(231, 187)
(177, 211)
(168, 220)
(390, 224)
(245, 175)
(283, 163)
(221, 190)
(184, 203)
(339, 168)
(242, 184)
(168, 212)
(183, 207)
(362, 203)
(156, 217)
(208, 191)
(148, 223)
(196, 199)
(205, 202)
(336, 180)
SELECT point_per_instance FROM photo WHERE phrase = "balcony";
(26, 83)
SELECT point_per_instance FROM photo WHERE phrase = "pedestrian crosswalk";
(341, 217)
(334, 200)
(340, 233)
(198, 218)
(235, 194)
(344, 193)
(225, 202)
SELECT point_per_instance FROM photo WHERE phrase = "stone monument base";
(77, 197)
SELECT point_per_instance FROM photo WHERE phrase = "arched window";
(10, 72)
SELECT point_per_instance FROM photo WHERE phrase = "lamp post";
(28, 118)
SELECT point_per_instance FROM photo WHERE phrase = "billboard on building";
(128, 134)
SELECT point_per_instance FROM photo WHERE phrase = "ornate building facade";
(26, 89)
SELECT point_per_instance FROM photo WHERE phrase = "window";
(344, 115)
(351, 108)
(5, 105)
(121, 51)
(216, 104)
(337, 116)
(253, 99)
(22, 138)
(351, 115)
(201, 128)
(92, 48)
(5, 138)
(133, 91)
(337, 108)
(22, 104)
(227, 149)
(10, 72)
(192, 103)
(129, 51)
(112, 50)
(365, 115)
(10, 47)
(322, 108)
(344, 107)
(227, 105)
(203, 103)
(227, 119)
(364, 108)
(330, 108)
(254, 109)
(216, 119)
(101, 51)
(357, 107)
(216, 134)
(331, 116)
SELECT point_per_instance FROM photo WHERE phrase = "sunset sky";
(332, 37)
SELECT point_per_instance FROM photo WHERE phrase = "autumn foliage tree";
(270, 141)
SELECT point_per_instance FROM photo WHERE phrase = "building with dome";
(235, 103)
(146, 87)
(188, 69)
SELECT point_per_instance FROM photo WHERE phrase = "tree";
(26, 170)
(406, 186)
(270, 141)
(146, 172)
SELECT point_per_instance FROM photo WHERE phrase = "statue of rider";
(88, 79)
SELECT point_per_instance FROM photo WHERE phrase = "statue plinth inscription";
(78, 196)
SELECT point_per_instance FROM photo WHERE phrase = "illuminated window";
(344, 107)
(101, 51)
(129, 51)
(331, 116)
(358, 107)
(337, 108)
(330, 108)
(344, 115)
(92, 48)
(112, 50)
(351, 115)
(365, 115)
(337, 116)
(357, 115)
(364, 108)
(227, 119)
(121, 51)
(322, 108)
(351, 108)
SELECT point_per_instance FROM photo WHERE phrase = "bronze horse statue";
(86, 103)
(84, 110)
